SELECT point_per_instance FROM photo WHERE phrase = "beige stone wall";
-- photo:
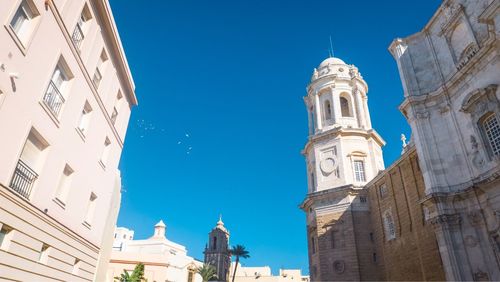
(413, 254)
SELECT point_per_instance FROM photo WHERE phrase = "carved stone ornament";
(474, 217)
(328, 165)
(477, 159)
(446, 219)
(422, 115)
(339, 266)
(479, 275)
(470, 241)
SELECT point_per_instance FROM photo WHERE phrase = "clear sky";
(221, 121)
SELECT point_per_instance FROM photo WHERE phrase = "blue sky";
(221, 120)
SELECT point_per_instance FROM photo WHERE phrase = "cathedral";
(433, 214)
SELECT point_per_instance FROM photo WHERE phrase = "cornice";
(341, 131)
(330, 193)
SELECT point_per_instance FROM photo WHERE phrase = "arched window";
(344, 107)
(328, 110)
(491, 129)
(390, 231)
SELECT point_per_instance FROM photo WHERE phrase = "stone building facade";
(435, 213)
(450, 73)
(405, 246)
(217, 252)
(66, 94)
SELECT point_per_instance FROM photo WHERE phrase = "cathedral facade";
(434, 214)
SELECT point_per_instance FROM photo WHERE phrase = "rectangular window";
(383, 191)
(30, 161)
(64, 184)
(362, 199)
(114, 115)
(90, 209)
(100, 67)
(44, 254)
(23, 21)
(313, 244)
(359, 171)
(83, 124)
(333, 235)
(4, 235)
(492, 131)
(54, 98)
(80, 28)
(105, 151)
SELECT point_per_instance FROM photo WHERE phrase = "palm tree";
(240, 252)
(207, 272)
(136, 276)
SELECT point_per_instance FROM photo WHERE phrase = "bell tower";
(342, 154)
(217, 251)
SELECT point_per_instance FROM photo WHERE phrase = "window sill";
(80, 133)
(59, 202)
(86, 224)
(16, 39)
(50, 113)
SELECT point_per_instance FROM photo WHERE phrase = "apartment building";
(66, 94)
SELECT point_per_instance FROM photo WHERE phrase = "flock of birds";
(145, 128)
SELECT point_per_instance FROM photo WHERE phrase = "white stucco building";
(66, 93)
(264, 274)
(163, 259)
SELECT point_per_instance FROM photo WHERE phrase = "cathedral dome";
(331, 61)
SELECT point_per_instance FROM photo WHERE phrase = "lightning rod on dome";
(330, 52)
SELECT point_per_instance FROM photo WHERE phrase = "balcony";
(53, 99)
(23, 179)
(77, 36)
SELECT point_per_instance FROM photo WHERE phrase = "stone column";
(447, 229)
(367, 112)
(357, 105)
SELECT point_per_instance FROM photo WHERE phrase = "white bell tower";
(343, 148)
(342, 154)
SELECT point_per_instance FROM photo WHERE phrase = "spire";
(220, 220)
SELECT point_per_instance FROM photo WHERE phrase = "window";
(390, 232)
(83, 124)
(79, 31)
(328, 110)
(54, 98)
(31, 159)
(190, 276)
(4, 236)
(44, 254)
(372, 239)
(333, 237)
(492, 132)
(90, 209)
(313, 244)
(23, 21)
(344, 107)
(114, 115)
(99, 69)
(64, 184)
(105, 151)
(313, 182)
(383, 190)
(359, 171)
(214, 244)
(374, 257)
(362, 199)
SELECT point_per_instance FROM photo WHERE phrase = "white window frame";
(64, 185)
(23, 33)
(359, 172)
(491, 127)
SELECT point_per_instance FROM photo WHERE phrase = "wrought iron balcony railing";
(77, 36)
(23, 179)
(53, 99)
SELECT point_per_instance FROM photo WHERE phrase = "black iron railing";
(23, 179)
(77, 36)
(53, 99)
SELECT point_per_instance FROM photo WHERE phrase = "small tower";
(342, 154)
(159, 230)
(217, 251)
